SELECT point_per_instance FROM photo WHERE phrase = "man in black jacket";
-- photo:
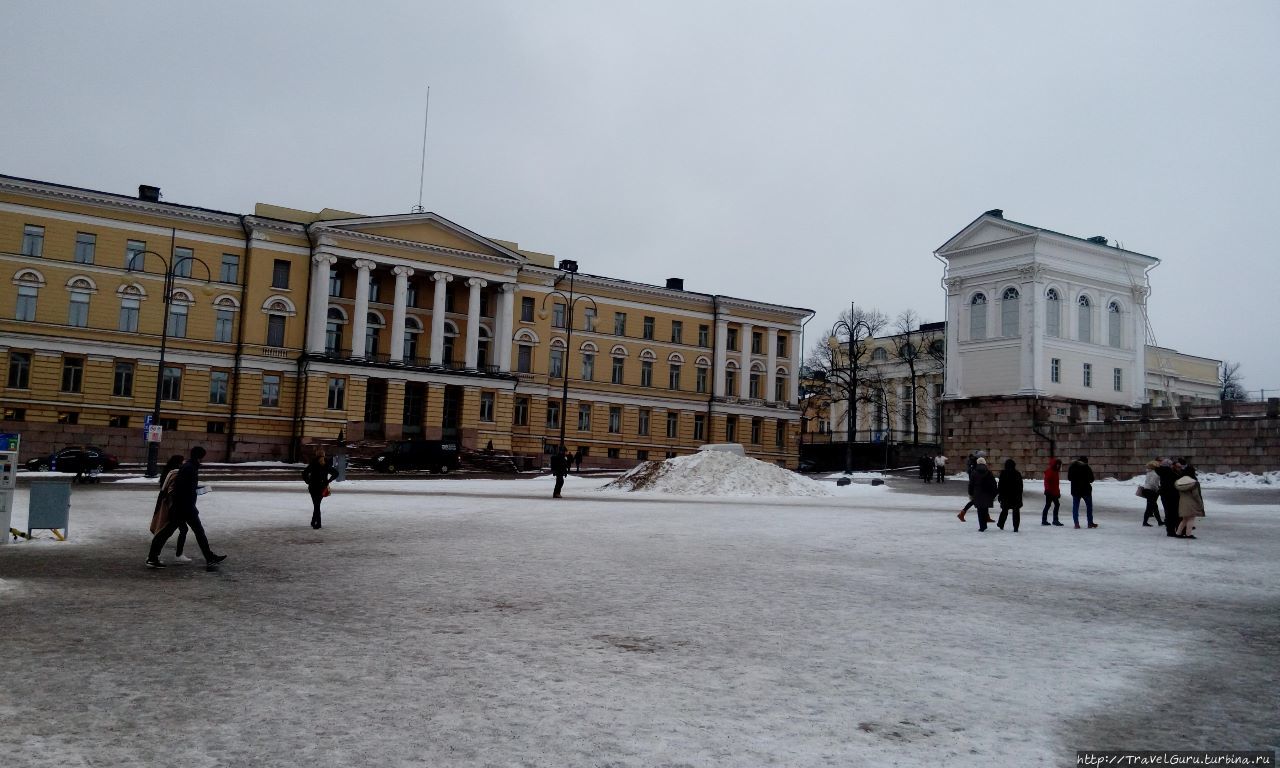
(1169, 475)
(185, 489)
(559, 468)
(1080, 475)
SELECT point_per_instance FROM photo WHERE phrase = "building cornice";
(118, 202)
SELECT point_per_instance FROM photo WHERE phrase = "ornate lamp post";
(171, 267)
(851, 327)
(570, 268)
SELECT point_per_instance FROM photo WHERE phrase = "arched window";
(334, 321)
(978, 317)
(1113, 324)
(1085, 320)
(450, 336)
(372, 333)
(1009, 312)
(879, 355)
(1052, 313)
(29, 283)
(482, 348)
(412, 329)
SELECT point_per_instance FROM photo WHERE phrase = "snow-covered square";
(474, 622)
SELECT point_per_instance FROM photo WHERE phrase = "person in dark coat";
(164, 506)
(559, 468)
(318, 474)
(985, 489)
(185, 489)
(577, 460)
(1080, 475)
(925, 468)
(1052, 491)
(1009, 493)
(1169, 497)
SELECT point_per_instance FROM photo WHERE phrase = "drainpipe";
(235, 375)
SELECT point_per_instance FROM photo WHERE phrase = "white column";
(744, 361)
(360, 319)
(1029, 289)
(952, 388)
(397, 312)
(721, 355)
(771, 340)
(318, 312)
(1137, 384)
(437, 317)
(506, 325)
(473, 323)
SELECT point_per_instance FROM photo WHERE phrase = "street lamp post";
(171, 266)
(851, 327)
(568, 267)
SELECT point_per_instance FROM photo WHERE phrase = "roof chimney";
(675, 283)
(1099, 239)
(997, 212)
(149, 193)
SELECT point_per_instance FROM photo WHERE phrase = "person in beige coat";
(1190, 505)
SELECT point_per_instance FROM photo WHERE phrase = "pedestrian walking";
(1009, 492)
(317, 475)
(940, 466)
(164, 506)
(1169, 496)
(577, 460)
(186, 486)
(559, 468)
(924, 466)
(1080, 475)
(1190, 505)
(985, 489)
(1052, 491)
(1150, 490)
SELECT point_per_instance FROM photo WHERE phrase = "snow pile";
(717, 473)
(1239, 479)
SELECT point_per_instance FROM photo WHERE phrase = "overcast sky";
(804, 153)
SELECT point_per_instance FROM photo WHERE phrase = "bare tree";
(1231, 383)
(839, 358)
(916, 348)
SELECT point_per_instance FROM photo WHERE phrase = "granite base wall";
(126, 443)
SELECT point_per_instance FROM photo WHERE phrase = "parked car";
(435, 455)
(76, 458)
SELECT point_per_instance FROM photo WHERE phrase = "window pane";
(133, 258)
(86, 244)
(171, 384)
(122, 386)
(270, 391)
(129, 315)
(78, 310)
(275, 330)
(222, 325)
(230, 270)
(32, 240)
(280, 274)
(182, 258)
(26, 306)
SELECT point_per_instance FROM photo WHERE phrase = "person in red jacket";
(1052, 493)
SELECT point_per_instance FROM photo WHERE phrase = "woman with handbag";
(318, 474)
(1150, 490)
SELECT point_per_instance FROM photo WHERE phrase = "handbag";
(1140, 492)
(325, 495)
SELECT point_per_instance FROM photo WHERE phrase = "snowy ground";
(478, 622)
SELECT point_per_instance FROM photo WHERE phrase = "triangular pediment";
(983, 230)
(426, 229)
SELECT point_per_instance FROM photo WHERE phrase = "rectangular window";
(133, 258)
(588, 318)
(222, 325)
(753, 386)
(337, 399)
(699, 427)
(411, 294)
(270, 391)
(700, 378)
(19, 370)
(588, 366)
(1117, 379)
(642, 455)
(731, 339)
(1088, 374)
(129, 315)
(122, 383)
(335, 283)
(169, 425)
(72, 374)
(486, 406)
(520, 416)
(118, 421)
(756, 426)
(614, 453)
(68, 417)
(584, 417)
(280, 274)
(555, 365)
(648, 327)
(229, 272)
(26, 306)
(616, 377)
(553, 414)
(780, 389)
(1055, 370)
(526, 309)
(731, 382)
(215, 427)
(448, 300)
(557, 315)
(275, 330)
(673, 376)
(731, 429)
(78, 309)
(524, 359)
(32, 240)
(646, 373)
(182, 258)
(782, 345)
(615, 419)
(642, 428)
(218, 387)
(757, 343)
(673, 424)
(677, 332)
(177, 325)
(171, 383)
(704, 335)
(13, 414)
(619, 323)
(375, 289)
(86, 245)
(780, 434)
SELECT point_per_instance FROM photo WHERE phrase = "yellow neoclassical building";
(286, 327)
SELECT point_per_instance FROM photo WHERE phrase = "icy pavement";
(480, 623)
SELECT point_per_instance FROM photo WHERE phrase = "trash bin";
(50, 505)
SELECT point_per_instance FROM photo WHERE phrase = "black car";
(80, 459)
(435, 455)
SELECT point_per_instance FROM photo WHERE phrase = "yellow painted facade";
(287, 327)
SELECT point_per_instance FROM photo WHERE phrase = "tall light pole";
(171, 266)
(570, 268)
(851, 327)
